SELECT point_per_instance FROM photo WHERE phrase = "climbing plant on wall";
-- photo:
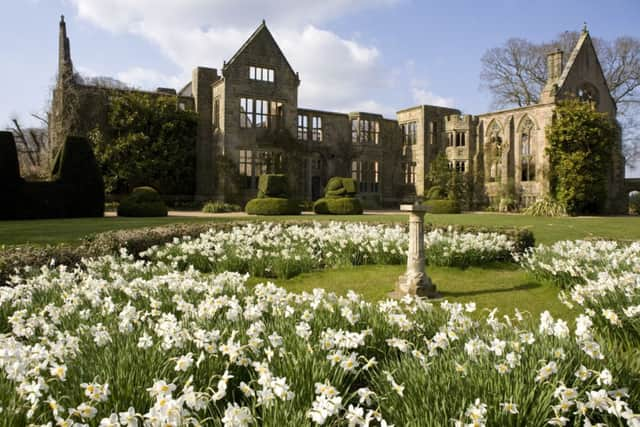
(580, 146)
(148, 141)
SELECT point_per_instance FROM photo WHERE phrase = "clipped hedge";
(220, 207)
(442, 206)
(435, 193)
(273, 206)
(143, 202)
(76, 168)
(76, 188)
(10, 180)
(273, 185)
(340, 206)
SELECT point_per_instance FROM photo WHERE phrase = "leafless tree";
(515, 74)
(33, 148)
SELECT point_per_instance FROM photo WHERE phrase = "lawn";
(505, 286)
(546, 230)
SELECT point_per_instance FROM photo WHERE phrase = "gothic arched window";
(494, 151)
(588, 93)
(527, 161)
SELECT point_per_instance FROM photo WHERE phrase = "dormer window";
(262, 74)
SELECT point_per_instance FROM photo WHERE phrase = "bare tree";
(33, 148)
(515, 74)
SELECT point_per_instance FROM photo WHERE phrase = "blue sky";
(371, 55)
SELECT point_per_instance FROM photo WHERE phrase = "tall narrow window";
(367, 174)
(216, 113)
(354, 131)
(409, 132)
(409, 172)
(303, 127)
(246, 112)
(316, 128)
(527, 163)
(246, 168)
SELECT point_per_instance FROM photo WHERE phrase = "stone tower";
(60, 115)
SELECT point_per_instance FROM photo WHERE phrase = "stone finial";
(584, 27)
(62, 19)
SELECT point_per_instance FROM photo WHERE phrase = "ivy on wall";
(148, 140)
(580, 148)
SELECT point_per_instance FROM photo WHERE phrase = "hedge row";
(340, 206)
(273, 206)
(143, 202)
(442, 206)
(141, 239)
(76, 188)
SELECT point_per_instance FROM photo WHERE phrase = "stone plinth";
(415, 281)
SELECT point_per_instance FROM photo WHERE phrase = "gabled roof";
(262, 28)
(584, 42)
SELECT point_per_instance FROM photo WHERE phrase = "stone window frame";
(365, 131)
(494, 137)
(527, 150)
(261, 74)
(260, 113)
(303, 127)
(409, 173)
(409, 132)
(367, 173)
(253, 163)
(316, 129)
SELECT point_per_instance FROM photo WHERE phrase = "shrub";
(436, 193)
(546, 207)
(220, 207)
(273, 185)
(442, 206)
(143, 201)
(579, 149)
(75, 167)
(272, 206)
(338, 206)
(338, 187)
(9, 175)
(634, 202)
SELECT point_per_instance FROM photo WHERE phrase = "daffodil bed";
(126, 342)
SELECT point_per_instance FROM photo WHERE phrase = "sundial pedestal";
(415, 281)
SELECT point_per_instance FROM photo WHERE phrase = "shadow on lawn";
(523, 287)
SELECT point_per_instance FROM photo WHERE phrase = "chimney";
(554, 65)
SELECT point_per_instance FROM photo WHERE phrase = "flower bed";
(281, 250)
(600, 278)
(122, 341)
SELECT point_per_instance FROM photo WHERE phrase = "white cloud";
(337, 73)
(426, 97)
(139, 77)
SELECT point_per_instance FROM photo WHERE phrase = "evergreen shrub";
(143, 202)
(442, 206)
(273, 185)
(338, 206)
(340, 198)
(273, 206)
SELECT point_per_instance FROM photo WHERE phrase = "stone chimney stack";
(554, 71)
(554, 65)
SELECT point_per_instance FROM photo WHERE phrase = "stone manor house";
(250, 123)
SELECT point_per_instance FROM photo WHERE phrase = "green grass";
(504, 286)
(546, 230)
